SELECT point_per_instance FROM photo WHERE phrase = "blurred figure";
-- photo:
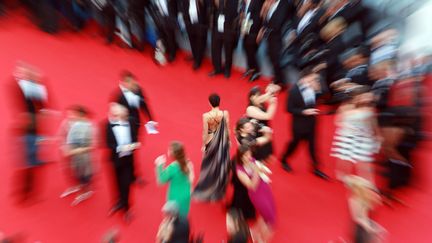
(214, 174)
(237, 228)
(250, 25)
(357, 137)
(363, 199)
(254, 177)
(355, 61)
(179, 174)
(274, 15)
(262, 108)
(32, 99)
(121, 139)
(301, 104)
(246, 136)
(164, 14)
(224, 34)
(78, 148)
(174, 228)
(130, 95)
(195, 14)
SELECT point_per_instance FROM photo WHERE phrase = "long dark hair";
(254, 91)
(178, 153)
(240, 124)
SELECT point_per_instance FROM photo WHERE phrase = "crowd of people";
(374, 92)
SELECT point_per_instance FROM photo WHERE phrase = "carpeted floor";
(80, 69)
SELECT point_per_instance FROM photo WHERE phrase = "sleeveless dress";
(262, 198)
(262, 152)
(354, 140)
(214, 175)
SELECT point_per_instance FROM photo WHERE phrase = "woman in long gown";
(262, 108)
(214, 175)
(245, 134)
(254, 177)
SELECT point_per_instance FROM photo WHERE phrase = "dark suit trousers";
(198, 39)
(274, 49)
(167, 31)
(227, 41)
(298, 136)
(108, 13)
(124, 172)
(251, 47)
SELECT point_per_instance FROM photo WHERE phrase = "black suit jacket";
(203, 10)
(133, 111)
(275, 25)
(111, 141)
(230, 10)
(255, 11)
(300, 123)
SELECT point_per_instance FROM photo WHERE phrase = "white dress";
(354, 139)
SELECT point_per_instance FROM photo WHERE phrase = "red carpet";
(80, 69)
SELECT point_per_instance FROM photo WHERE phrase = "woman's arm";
(205, 134)
(226, 114)
(256, 113)
(250, 183)
(191, 172)
(163, 175)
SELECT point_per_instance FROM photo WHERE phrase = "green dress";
(179, 189)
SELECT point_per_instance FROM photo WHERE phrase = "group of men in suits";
(122, 130)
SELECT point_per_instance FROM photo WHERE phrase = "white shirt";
(193, 11)
(132, 99)
(308, 95)
(272, 10)
(248, 2)
(163, 6)
(306, 20)
(123, 136)
(33, 90)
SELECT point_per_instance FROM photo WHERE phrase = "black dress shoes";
(255, 77)
(196, 66)
(117, 207)
(321, 175)
(247, 73)
(214, 73)
(227, 74)
(286, 167)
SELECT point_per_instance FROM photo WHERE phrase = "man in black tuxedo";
(301, 104)
(121, 139)
(195, 14)
(132, 97)
(275, 14)
(164, 14)
(225, 31)
(250, 27)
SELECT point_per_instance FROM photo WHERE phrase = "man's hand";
(311, 112)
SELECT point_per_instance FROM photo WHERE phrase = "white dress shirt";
(33, 90)
(272, 10)
(163, 6)
(132, 99)
(193, 11)
(123, 136)
(308, 95)
(306, 20)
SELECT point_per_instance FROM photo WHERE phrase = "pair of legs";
(124, 177)
(308, 136)
(226, 41)
(362, 169)
(250, 47)
(261, 231)
(166, 31)
(274, 49)
(198, 39)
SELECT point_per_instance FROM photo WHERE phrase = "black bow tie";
(120, 124)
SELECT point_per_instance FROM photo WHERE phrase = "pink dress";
(262, 199)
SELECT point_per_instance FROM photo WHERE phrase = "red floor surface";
(80, 69)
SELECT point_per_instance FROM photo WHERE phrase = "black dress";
(262, 152)
(240, 198)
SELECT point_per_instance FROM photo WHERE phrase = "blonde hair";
(333, 27)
